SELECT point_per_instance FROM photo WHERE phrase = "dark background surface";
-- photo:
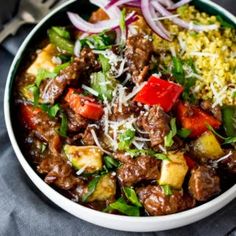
(25, 211)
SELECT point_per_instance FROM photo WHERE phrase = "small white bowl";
(118, 222)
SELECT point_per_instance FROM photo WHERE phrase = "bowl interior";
(84, 8)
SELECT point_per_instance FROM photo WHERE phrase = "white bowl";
(118, 222)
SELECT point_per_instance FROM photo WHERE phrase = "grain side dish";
(132, 112)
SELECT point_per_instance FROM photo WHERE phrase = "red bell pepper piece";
(190, 162)
(195, 119)
(28, 115)
(83, 105)
(159, 92)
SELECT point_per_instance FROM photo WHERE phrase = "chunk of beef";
(87, 137)
(204, 183)
(135, 170)
(58, 172)
(42, 126)
(125, 111)
(75, 121)
(157, 203)
(52, 89)
(138, 54)
(215, 111)
(228, 165)
(156, 123)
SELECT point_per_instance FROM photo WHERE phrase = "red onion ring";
(145, 7)
(166, 3)
(179, 4)
(180, 22)
(87, 27)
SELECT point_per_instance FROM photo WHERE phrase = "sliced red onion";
(179, 4)
(145, 7)
(133, 4)
(159, 24)
(87, 27)
(180, 22)
(166, 3)
(77, 48)
(117, 3)
(113, 12)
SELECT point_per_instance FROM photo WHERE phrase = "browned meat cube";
(138, 54)
(75, 121)
(156, 123)
(157, 203)
(52, 89)
(203, 183)
(229, 164)
(135, 170)
(58, 172)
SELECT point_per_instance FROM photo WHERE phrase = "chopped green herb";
(227, 140)
(224, 23)
(110, 162)
(42, 75)
(167, 190)
(125, 139)
(138, 152)
(100, 41)
(184, 133)
(61, 67)
(35, 90)
(52, 112)
(61, 31)
(91, 188)
(121, 206)
(104, 62)
(178, 72)
(103, 84)
(132, 196)
(63, 44)
(123, 26)
(43, 147)
(168, 139)
(64, 125)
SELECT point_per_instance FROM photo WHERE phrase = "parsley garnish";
(168, 139)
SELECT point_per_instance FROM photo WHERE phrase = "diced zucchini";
(173, 172)
(43, 60)
(87, 157)
(207, 146)
(105, 189)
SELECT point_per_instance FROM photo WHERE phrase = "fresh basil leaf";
(184, 133)
(168, 139)
(42, 75)
(121, 206)
(52, 112)
(64, 125)
(224, 23)
(91, 188)
(110, 162)
(167, 190)
(62, 32)
(125, 139)
(132, 196)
